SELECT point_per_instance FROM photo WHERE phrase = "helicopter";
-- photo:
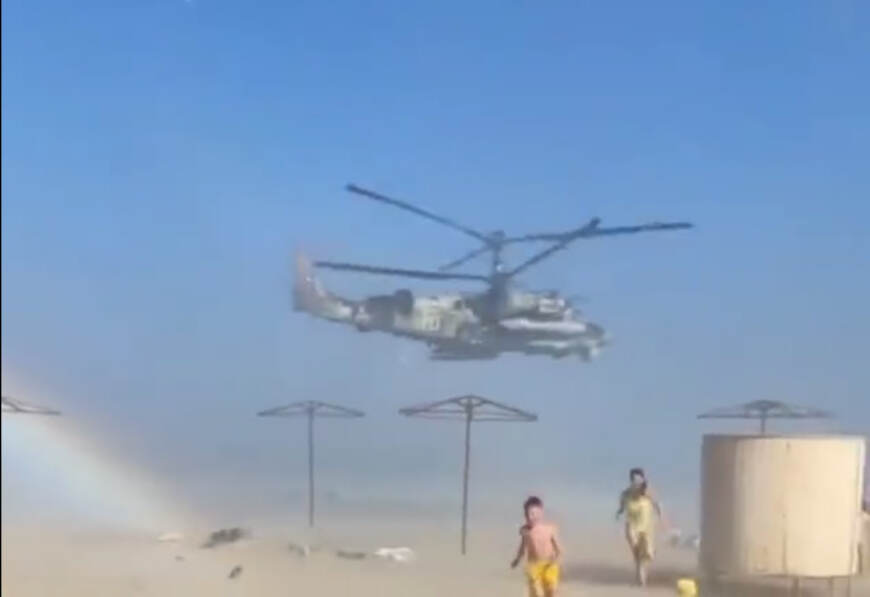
(462, 326)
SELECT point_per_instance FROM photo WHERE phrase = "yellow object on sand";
(686, 587)
(542, 577)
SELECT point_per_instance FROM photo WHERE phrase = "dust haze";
(163, 164)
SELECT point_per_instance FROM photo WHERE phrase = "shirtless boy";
(539, 543)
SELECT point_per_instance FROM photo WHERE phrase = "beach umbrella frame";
(310, 410)
(764, 410)
(468, 408)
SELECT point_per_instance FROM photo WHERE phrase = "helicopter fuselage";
(459, 326)
(476, 326)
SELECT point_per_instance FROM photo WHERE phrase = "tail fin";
(306, 287)
(310, 296)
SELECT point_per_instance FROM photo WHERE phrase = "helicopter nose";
(602, 336)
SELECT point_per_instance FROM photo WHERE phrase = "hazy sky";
(162, 160)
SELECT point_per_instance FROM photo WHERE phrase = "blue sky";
(162, 160)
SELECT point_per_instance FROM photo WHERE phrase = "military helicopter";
(469, 326)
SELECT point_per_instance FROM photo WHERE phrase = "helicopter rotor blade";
(591, 230)
(597, 231)
(552, 236)
(566, 239)
(652, 227)
(465, 258)
(420, 212)
(389, 271)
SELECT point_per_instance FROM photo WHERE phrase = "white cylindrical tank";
(781, 505)
(864, 548)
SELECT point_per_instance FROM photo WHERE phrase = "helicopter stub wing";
(462, 352)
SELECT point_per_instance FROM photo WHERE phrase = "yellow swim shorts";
(543, 577)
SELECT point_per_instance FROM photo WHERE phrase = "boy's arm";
(520, 550)
(557, 544)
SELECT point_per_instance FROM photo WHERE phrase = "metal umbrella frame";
(763, 410)
(311, 409)
(468, 408)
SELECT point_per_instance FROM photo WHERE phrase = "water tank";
(864, 547)
(781, 505)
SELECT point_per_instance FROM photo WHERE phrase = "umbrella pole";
(468, 416)
(310, 468)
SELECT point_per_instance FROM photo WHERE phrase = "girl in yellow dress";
(639, 508)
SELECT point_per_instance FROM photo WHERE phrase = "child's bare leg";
(636, 558)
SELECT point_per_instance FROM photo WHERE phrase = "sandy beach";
(44, 561)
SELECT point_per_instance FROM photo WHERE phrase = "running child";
(539, 543)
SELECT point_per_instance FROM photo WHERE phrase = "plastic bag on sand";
(302, 551)
(396, 554)
(170, 537)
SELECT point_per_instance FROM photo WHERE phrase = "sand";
(52, 560)
(111, 564)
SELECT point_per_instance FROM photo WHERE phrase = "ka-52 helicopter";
(469, 326)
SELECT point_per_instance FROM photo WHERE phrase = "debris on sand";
(351, 555)
(225, 536)
(173, 537)
(180, 558)
(396, 554)
(302, 551)
(678, 541)
(235, 572)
